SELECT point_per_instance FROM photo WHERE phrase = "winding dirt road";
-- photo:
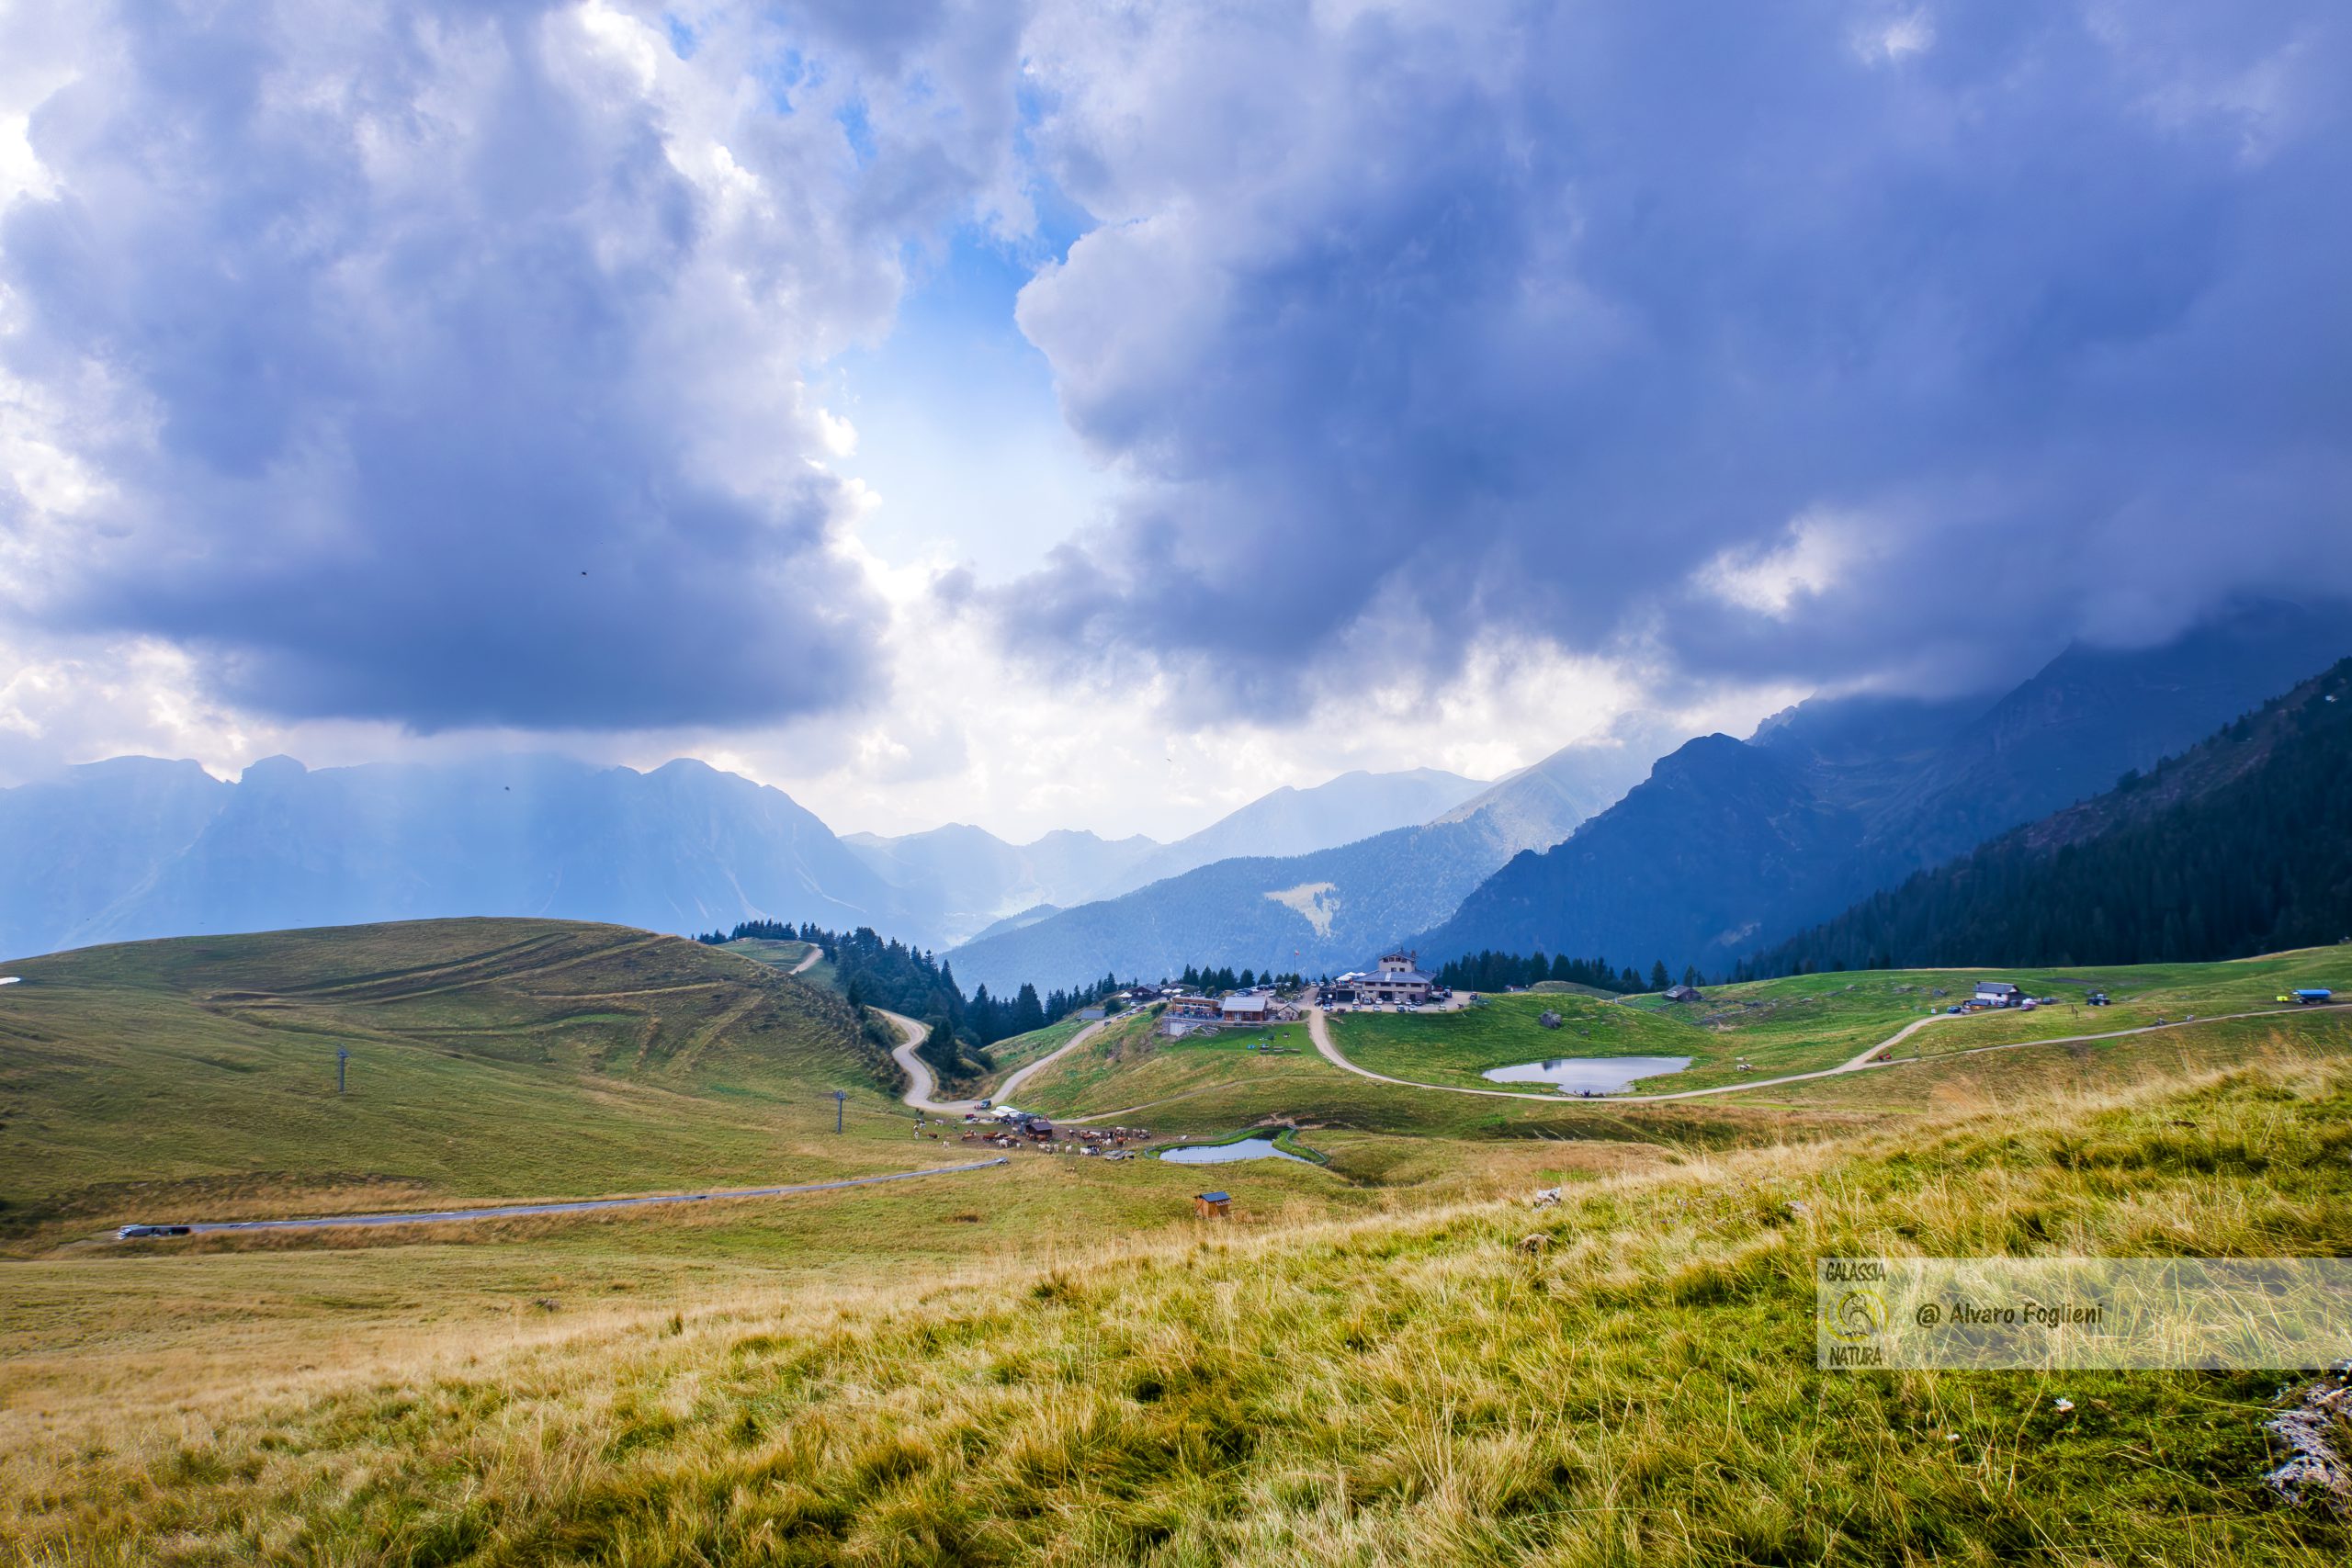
(1868, 1059)
(925, 1083)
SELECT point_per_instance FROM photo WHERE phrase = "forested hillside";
(2241, 845)
(876, 971)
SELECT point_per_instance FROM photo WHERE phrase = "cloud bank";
(443, 363)
(1825, 341)
(377, 370)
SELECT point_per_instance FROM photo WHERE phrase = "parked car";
(2096, 999)
(134, 1232)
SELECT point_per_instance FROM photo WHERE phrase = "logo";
(1859, 1316)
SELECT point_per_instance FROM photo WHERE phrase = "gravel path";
(577, 1206)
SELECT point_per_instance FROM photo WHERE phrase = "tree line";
(1197, 979)
(872, 971)
(1492, 971)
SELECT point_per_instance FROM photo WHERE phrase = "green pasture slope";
(784, 955)
(1017, 1051)
(1807, 1022)
(490, 1059)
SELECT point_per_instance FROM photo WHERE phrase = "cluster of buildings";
(1254, 1008)
(2001, 994)
(1398, 982)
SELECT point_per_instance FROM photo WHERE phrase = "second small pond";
(1221, 1153)
(1596, 1075)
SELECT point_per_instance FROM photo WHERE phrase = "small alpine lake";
(1588, 1075)
(1225, 1154)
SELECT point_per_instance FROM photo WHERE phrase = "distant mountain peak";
(272, 770)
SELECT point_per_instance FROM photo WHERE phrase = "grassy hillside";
(1414, 1389)
(1808, 1022)
(1052, 1360)
(196, 1079)
(1456, 1047)
(785, 955)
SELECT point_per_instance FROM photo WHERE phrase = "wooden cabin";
(1212, 1205)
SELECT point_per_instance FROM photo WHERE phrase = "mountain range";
(1720, 849)
(1312, 912)
(138, 847)
(1732, 845)
(135, 847)
(2241, 845)
(966, 878)
(966, 882)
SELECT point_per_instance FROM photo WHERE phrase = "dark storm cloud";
(439, 369)
(1821, 341)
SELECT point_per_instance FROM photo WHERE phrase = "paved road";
(577, 1206)
(926, 1083)
(1867, 1059)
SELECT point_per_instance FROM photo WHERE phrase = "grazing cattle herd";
(1037, 1133)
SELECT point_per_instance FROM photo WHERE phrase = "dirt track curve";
(1866, 1061)
(925, 1083)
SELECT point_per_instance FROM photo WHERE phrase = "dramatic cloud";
(1826, 341)
(442, 363)
(491, 370)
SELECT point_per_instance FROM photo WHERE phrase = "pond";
(1222, 1153)
(1600, 1074)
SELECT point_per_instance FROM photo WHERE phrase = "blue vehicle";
(2310, 994)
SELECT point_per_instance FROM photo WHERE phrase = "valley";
(231, 1379)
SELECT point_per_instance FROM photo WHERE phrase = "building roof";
(1401, 977)
(1215, 1197)
(1244, 1004)
(1994, 986)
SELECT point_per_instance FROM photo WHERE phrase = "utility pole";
(341, 1056)
(839, 1095)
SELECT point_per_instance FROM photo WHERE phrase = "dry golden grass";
(1381, 1389)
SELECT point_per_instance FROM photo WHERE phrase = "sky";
(1055, 414)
